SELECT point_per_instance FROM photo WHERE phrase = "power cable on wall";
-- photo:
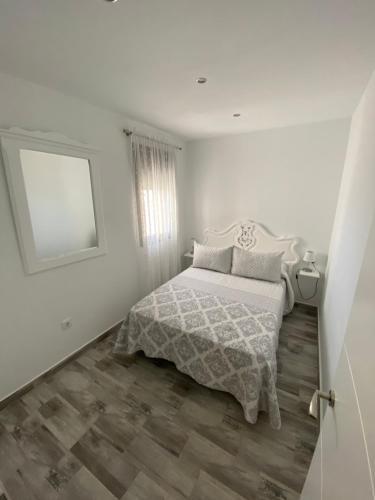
(300, 291)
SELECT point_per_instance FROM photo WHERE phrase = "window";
(155, 194)
(154, 167)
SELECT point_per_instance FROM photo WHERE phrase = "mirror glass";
(60, 202)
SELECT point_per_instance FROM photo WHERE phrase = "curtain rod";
(128, 133)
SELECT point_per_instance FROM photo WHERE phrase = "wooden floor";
(101, 428)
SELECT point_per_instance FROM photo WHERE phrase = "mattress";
(220, 329)
(262, 293)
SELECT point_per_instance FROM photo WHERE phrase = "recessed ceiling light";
(111, 1)
(236, 115)
(201, 79)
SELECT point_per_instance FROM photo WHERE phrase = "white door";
(344, 461)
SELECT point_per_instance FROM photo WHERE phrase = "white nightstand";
(309, 274)
(310, 280)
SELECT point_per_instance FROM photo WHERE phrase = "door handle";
(314, 405)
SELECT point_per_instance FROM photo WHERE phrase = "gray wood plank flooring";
(104, 428)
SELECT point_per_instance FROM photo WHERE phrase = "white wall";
(287, 178)
(347, 435)
(352, 221)
(97, 292)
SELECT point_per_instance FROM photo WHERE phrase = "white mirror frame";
(12, 141)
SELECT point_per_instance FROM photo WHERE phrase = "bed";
(220, 329)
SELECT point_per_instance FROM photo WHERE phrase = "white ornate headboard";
(250, 235)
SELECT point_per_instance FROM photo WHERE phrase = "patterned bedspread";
(223, 338)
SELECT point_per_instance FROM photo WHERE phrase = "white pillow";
(260, 266)
(215, 259)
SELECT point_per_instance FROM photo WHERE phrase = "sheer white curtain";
(154, 166)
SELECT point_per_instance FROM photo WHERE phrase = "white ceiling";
(278, 62)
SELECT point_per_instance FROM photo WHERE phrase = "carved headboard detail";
(251, 235)
(245, 235)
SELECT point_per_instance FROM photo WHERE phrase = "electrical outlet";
(66, 323)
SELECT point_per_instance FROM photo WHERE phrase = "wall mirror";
(54, 188)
